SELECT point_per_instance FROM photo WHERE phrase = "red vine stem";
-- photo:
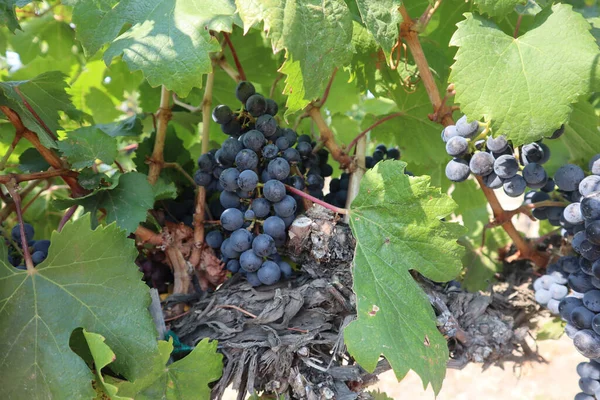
(443, 115)
(236, 60)
(18, 178)
(50, 156)
(66, 217)
(13, 189)
(317, 201)
(328, 88)
(363, 133)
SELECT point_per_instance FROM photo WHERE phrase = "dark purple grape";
(244, 90)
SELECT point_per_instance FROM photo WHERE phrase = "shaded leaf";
(497, 8)
(90, 276)
(32, 161)
(84, 146)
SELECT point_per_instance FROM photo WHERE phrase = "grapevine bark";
(442, 114)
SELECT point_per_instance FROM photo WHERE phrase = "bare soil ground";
(555, 380)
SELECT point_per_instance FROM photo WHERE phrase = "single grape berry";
(256, 105)
(466, 129)
(456, 146)
(272, 107)
(279, 168)
(267, 125)
(16, 232)
(228, 179)
(274, 191)
(244, 90)
(241, 240)
(261, 207)
(247, 180)
(568, 177)
(263, 245)
(457, 170)
(202, 178)
(214, 239)
(497, 145)
(515, 186)
(232, 219)
(222, 114)
(229, 199)
(506, 166)
(269, 273)
(481, 163)
(393, 154)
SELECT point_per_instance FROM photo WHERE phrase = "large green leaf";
(167, 40)
(396, 221)
(45, 95)
(316, 36)
(519, 84)
(89, 280)
(185, 379)
(84, 146)
(44, 36)
(7, 13)
(126, 201)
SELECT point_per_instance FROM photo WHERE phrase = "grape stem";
(67, 217)
(224, 65)
(18, 178)
(525, 209)
(377, 123)
(427, 14)
(236, 60)
(49, 155)
(357, 175)
(327, 89)
(199, 210)
(13, 190)
(9, 207)
(163, 115)
(443, 115)
(328, 206)
(35, 114)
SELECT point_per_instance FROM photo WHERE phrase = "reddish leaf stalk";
(328, 88)
(317, 201)
(363, 133)
(13, 189)
(236, 60)
(18, 178)
(66, 217)
(328, 140)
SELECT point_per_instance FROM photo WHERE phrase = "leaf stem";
(164, 115)
(377, 123)
(13, 190)
(68, 214)
(229, 70)
(427, 14)
(328, 206)
(517, 26)
(9, 207)
(18, 178)
(236, 60)
(327, 89)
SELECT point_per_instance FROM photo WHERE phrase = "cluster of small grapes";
(37, 248)
(580, 272)
(338, 187)
(495, 160)
(157, 275)
(246, 180)
(589, 380)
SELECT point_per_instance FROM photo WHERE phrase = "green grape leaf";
(32, 161)
(396, 221)
(581, 136)
(497, 8)
(102, 355)
(84, 146)
(8, 17)
(185, 379)
(517, 84)
(89, 277)
(168, 41)
(88, 179)
(42, 37)
(378, 395)
(344, 128)
(381, 19)
(130, 126)
(163, 190)
(317, 38)
(551, 330)
(126, 201)
(46, 96)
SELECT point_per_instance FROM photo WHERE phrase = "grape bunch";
(338, 187)
(579, 272)
(37, 248)
(496, 160)
(246, 182)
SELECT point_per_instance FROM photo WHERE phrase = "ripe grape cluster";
(37, 248)
(579, 272)
(338, 187)
(496, 160)
(246, 182)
